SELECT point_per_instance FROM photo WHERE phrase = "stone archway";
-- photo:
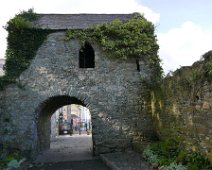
(45, 111)
(112, 91)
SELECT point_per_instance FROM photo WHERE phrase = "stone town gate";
(111, 89)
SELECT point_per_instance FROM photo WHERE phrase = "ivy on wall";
(23, 42)
(132, 39)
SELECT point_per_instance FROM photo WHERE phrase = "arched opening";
(71, 120)
(86, 56)
(55, 118)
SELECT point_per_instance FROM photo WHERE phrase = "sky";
(183, 27)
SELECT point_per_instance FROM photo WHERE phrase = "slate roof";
(76, 21)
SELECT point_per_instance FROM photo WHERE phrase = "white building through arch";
(74, 115)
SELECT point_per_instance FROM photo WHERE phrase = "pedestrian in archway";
(79, 130)
(71, 127)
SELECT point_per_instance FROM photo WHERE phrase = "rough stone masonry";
(112, 91)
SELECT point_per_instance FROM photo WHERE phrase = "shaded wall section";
(183, 105)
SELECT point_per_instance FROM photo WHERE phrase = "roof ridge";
(77, 21)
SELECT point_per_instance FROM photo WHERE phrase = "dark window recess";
(197, 98)
(86, 56)
(138, 65)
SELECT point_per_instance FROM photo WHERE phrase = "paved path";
(68, 148)
(69, 153)
(75, 153)
(95, 164)
(128, 160)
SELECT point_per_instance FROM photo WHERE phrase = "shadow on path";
(69, 153)
(74, 165)
(68, 148)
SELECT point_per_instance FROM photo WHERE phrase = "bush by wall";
(172, 154)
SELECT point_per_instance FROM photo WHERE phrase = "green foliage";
(19, 54)
(171, 153)
(150, 156)
(13, 164)
(19, 23)
(169, 148)
(22, 20)
(195, 75)
(208, 65)
(197, 161)
(182, 157)
(132, 39)
(2, 165)
(175, 166)
(29, 15)
(208, 70)
(194, 78)
(10, 158)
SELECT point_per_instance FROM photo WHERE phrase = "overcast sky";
(183, 27)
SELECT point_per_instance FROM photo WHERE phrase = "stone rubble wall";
(112, 91)
(183, 107)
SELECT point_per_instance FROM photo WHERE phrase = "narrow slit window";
(137, 64)
(86, 56)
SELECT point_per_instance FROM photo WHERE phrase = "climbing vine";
(132, 39)
(23, 42)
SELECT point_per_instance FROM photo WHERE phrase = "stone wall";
(54, 125)
(183, 106)
(112, 91)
